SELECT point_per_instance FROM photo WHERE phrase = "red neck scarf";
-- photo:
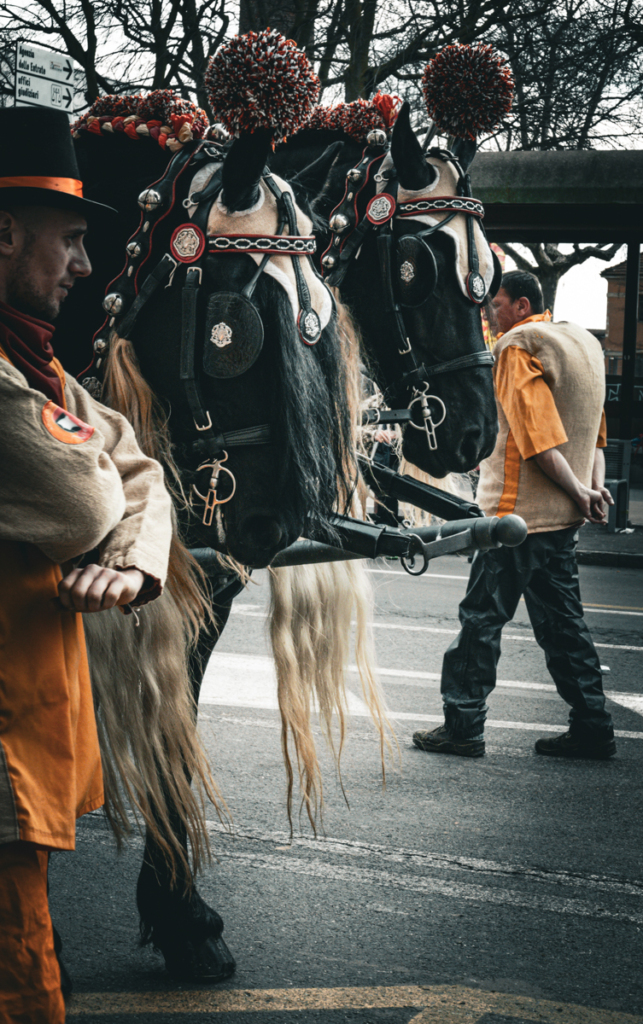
(27, 342)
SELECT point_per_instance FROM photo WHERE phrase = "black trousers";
(544, 570)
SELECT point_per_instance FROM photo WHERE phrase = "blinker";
(417, 271)
(233, 335)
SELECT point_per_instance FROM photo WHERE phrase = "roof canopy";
(561, 196)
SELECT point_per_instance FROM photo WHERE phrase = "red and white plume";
(467, 89)
(262, 80)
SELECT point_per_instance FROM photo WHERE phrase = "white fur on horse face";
(263, 219)
(446, 184)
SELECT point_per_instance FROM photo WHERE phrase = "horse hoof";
(210, 961)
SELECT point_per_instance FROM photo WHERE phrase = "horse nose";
(471, 448)
(264, 531)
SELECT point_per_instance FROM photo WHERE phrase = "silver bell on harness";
(150, 199)
(113, 303)
(376, 137)
(339, 222)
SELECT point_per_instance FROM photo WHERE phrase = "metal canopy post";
(630, 325)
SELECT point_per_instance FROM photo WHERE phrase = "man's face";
(41, 255)
(509, 312)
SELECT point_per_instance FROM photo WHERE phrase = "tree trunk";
(256, 15)
(549, 279)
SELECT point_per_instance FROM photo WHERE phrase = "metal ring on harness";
(211, 499)
(429, 425)
(416, 548)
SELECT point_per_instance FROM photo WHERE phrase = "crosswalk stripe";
(248, 681)
(251, 611)
(427, 883)
(597, 608)
(402, 677)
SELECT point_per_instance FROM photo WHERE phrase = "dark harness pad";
(497, 276)
(233, 335)
(416, 271)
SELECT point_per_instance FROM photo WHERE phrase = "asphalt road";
(493, 891)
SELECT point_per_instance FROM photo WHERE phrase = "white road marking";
(249, 681)
(370, 877)
(428, 576)
(245, 609)
(424, 858)
(399, 677)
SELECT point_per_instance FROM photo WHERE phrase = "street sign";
(44, 79)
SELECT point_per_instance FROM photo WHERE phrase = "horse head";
(413, 264)
(229, 325)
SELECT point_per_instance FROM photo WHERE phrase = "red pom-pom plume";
(467, 89)
(261, 80)
(358, 118)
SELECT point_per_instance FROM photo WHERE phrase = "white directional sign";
(44, 79)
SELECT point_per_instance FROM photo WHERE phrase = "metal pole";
(630, 324)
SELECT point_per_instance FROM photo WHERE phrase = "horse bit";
(349, 231)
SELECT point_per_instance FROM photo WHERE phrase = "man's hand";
(592, 503)
(95, 589)
(590, 500)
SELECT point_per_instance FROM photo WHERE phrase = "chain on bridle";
(234, 329)
(416, 265)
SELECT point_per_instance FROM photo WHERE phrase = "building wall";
(614, 328)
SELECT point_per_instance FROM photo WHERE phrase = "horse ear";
(312, 177)
(242, 170)
(464, 151)
(412, 169)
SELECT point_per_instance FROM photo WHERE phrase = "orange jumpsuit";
(67, 484)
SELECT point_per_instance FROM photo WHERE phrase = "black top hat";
(38, 164)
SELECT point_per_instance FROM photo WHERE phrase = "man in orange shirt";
(548, 467)
(73, 480)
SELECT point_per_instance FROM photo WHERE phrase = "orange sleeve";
(527, 402)
(601, 441)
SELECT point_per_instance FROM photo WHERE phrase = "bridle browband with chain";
(190, 245)
(350, 227)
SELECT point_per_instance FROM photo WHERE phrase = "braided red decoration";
(262, 80)
(467, 89)
(164, 105)
(167, 118)
(358, 118)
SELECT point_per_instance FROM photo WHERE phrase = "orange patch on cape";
(64, 426)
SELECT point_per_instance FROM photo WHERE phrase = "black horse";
(280, 416)
(294, 395)
(406, 269)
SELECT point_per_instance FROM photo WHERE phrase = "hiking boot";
(439, 741)
(570, 745)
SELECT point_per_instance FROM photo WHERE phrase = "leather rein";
(349, 231)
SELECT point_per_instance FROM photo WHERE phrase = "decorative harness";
(416, 265)
(234, 329)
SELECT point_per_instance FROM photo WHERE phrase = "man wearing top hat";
(72, 480)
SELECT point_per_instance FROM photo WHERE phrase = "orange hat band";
(72, 186)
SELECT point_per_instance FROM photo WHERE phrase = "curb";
(618, 559)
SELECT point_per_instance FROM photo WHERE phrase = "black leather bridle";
(190, 245)
(350, 227)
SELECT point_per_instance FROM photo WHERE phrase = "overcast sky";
(582, 292)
